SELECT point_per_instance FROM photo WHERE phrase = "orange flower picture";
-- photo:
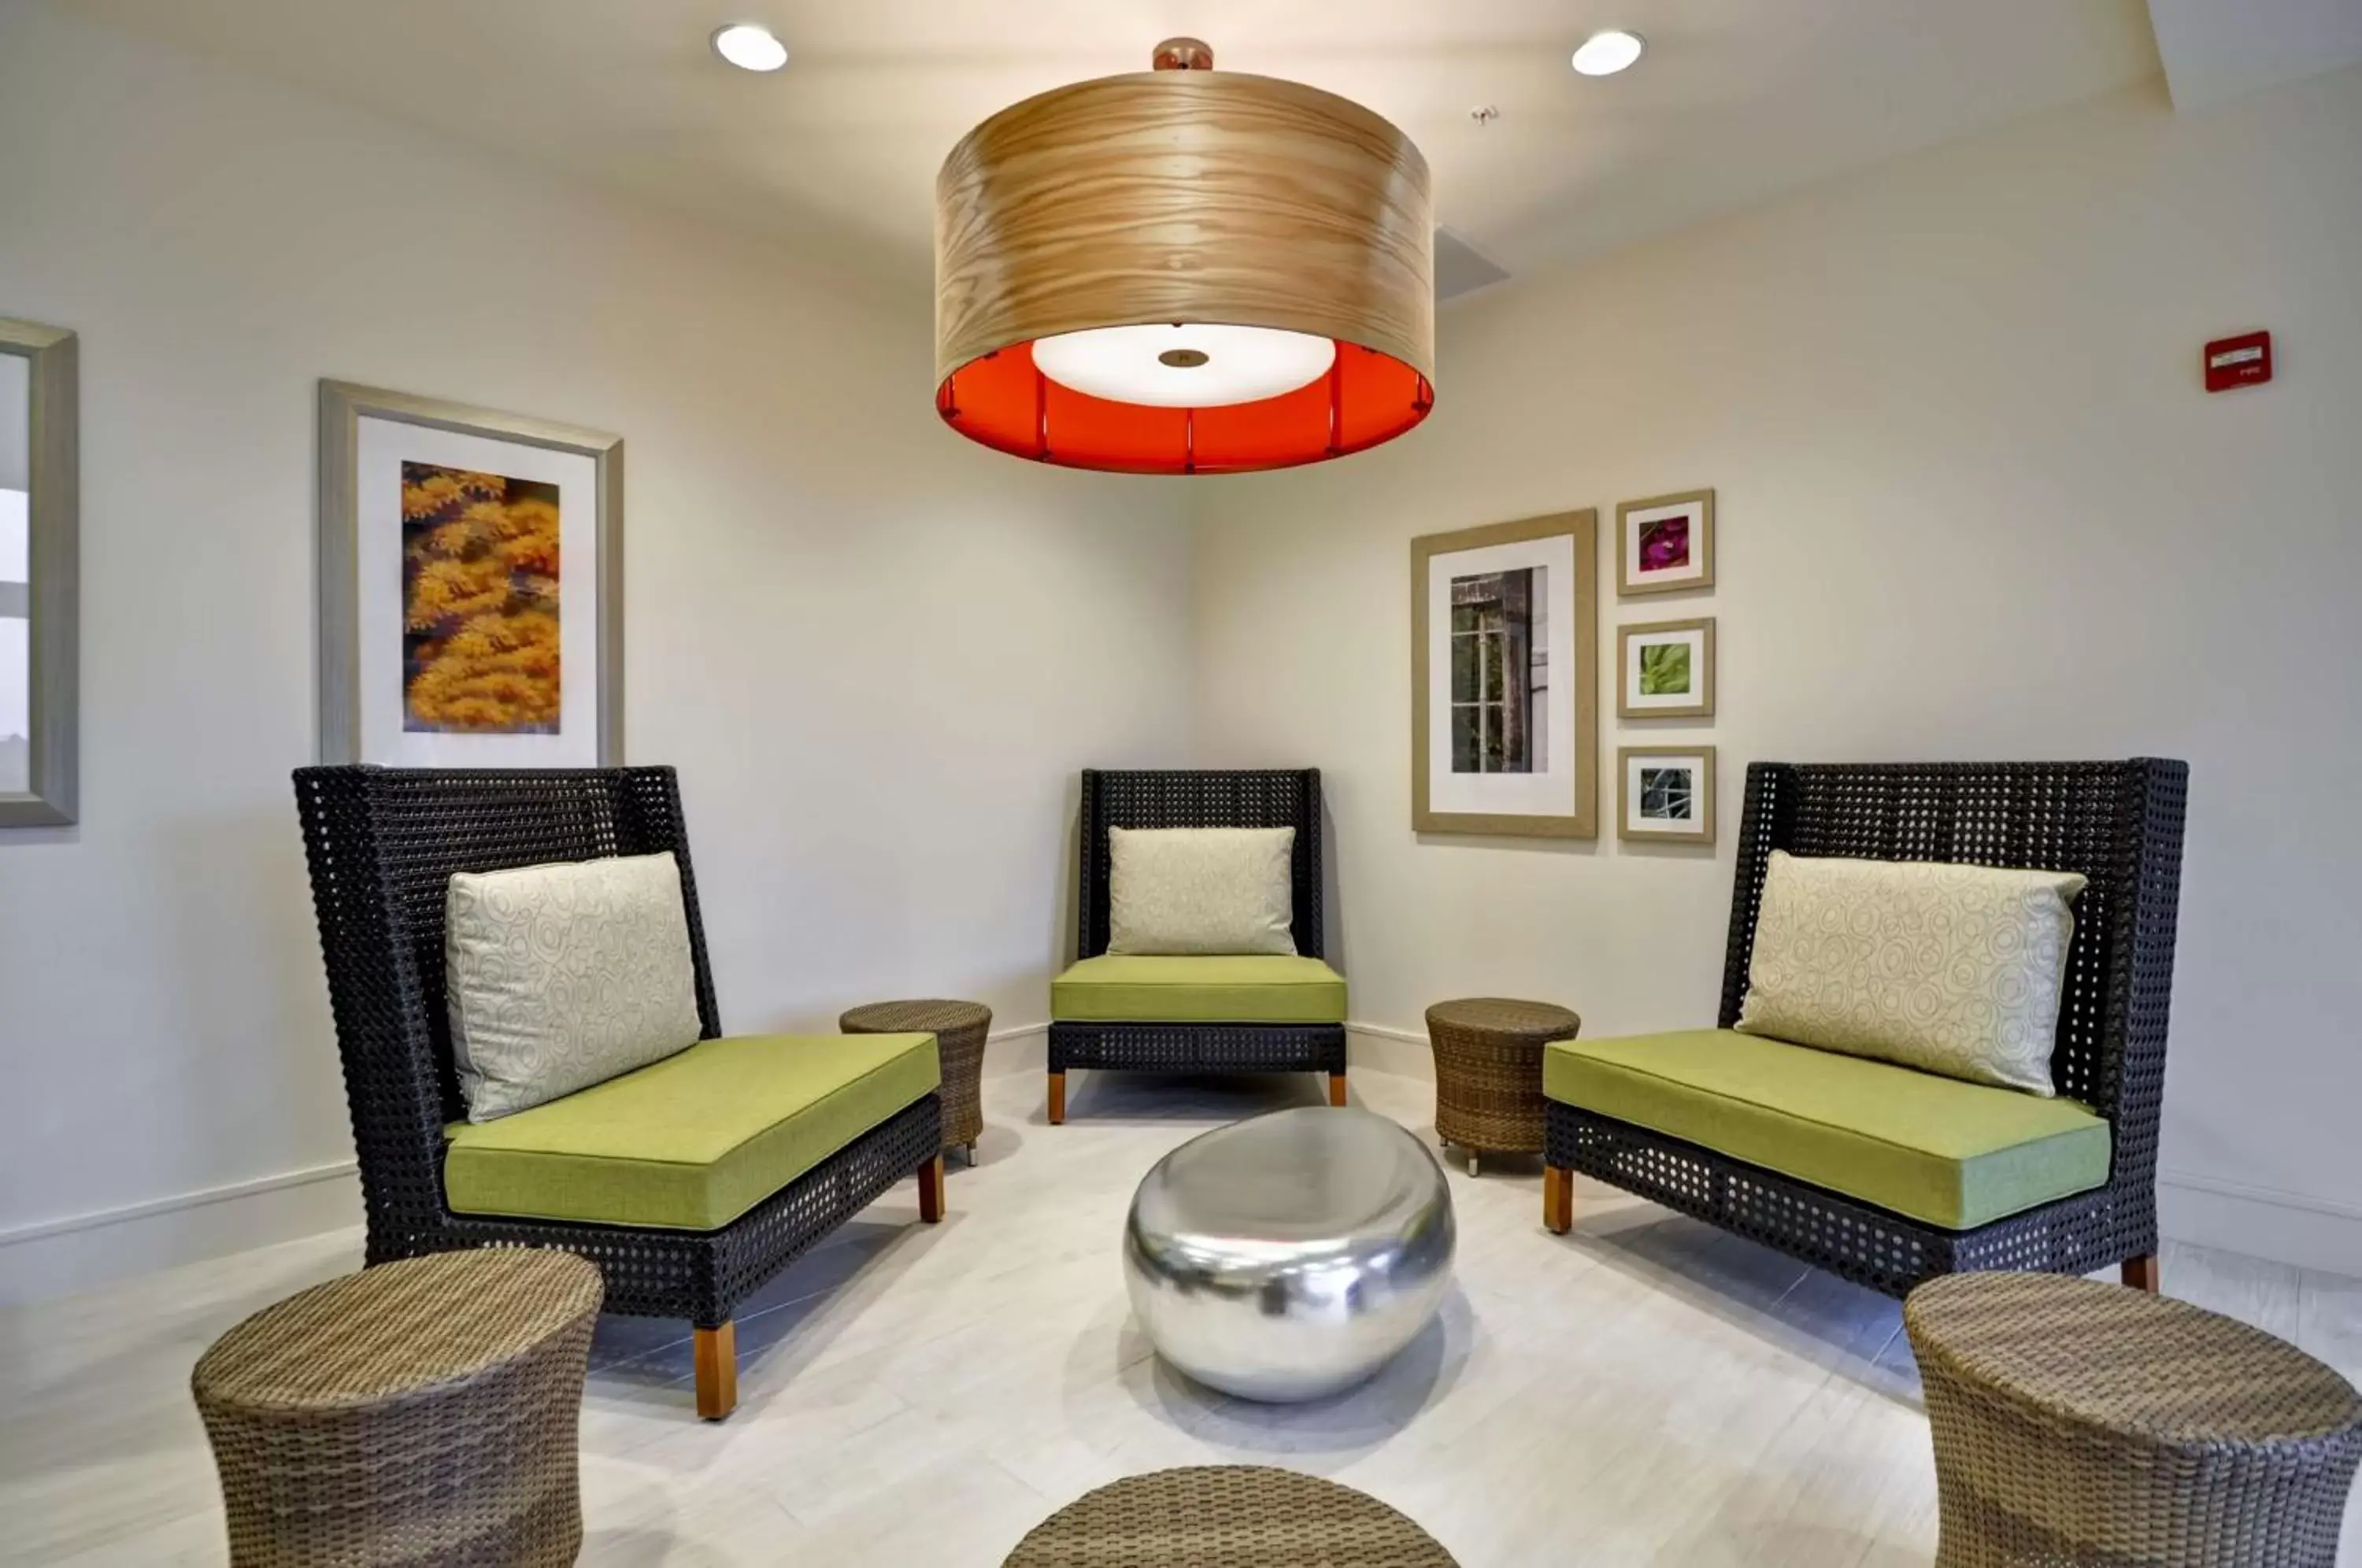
(480, 584)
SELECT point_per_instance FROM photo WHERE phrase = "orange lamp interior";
(1002, 401)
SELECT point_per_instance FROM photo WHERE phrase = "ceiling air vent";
(1459, 268)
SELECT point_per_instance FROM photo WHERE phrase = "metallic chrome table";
(1289, 1256)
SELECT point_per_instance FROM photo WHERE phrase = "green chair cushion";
(1258, 989)
(1950, 1153)
(693, 1142)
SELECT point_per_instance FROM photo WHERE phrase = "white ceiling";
(1735, 101)
(2214, 50)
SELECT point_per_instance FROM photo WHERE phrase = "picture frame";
(1664, 544)
(40, 633)
(456, 628)
(1505, 687)
(1664, 669)
(1655, 804)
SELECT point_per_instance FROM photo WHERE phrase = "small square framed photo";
(1665, 544)
(1666, 793)
(1664, 669)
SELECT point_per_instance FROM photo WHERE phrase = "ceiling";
(1735, 101)
(2214, 53)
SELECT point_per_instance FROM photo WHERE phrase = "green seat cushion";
(694, 1141)
(1257, 989)
(1950, 1153)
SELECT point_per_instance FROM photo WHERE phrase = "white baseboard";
(1389, 1050)
(1020, 1048)
(83, 1252)
(2261, 1221)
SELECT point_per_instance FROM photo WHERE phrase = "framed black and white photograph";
(1664, 669)
(39, 412)
(470, 586)
(1666, 793)
(1504, 690)
(1665, 544)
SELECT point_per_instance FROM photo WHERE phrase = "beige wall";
(877, 654)
(1973, 505)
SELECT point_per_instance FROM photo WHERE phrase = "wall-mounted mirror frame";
(49, 458)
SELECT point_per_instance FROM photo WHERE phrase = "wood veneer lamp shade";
(1185, 205)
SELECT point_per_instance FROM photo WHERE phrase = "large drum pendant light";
(1183, 271)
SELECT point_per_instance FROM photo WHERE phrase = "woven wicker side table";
(1227, 1516)
(1488, 1072)
(959, 1028)
(422, 1411)
(2082, 1423)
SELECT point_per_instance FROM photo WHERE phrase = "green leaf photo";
(1665, 670)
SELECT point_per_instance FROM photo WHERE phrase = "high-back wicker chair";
(1197, 798)
(2120, 825)
(384, 843)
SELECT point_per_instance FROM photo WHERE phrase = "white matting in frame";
(382, 447)
(1543, 792)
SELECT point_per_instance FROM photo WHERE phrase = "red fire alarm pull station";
(2242, 361)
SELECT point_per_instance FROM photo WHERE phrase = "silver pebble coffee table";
(1289, 1256)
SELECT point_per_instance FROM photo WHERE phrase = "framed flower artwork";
(1665, 544)
(1664, 669)
(470, 586)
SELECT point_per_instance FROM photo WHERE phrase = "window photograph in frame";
(1504, 680)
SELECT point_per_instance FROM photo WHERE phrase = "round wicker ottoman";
(1227, 1516)
(2079, 1422)
(959, 1028)
(422, 1411)
(1488, 1072)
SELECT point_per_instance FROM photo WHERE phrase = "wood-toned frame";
(1703, 707)
(1702, 546)
(1582, 818)
(1705, 793)
(342, 407)
(53, 407)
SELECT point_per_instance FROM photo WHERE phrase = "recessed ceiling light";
(751, 46)
(1605, 54)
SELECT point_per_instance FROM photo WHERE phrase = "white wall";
(1973, 505)
(877, 654)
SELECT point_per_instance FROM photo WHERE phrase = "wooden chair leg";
(717, 1371)
(2141, 1273)
(1557, 1199)
(1058, 1098)
(930, 1190)
(1336, 1089)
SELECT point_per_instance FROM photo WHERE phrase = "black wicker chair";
(382, 843)
(1198, 798)
(2120, 825)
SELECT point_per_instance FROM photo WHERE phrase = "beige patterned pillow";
(1952, 970)
(561, 976)
(1199, 891)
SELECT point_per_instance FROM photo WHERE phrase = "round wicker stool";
(1488, 1072)
(959, 1028)
(2078, 1422)
(1227, 1516)
(422, 1411)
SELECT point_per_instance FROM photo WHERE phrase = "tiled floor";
(1645, 1391)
